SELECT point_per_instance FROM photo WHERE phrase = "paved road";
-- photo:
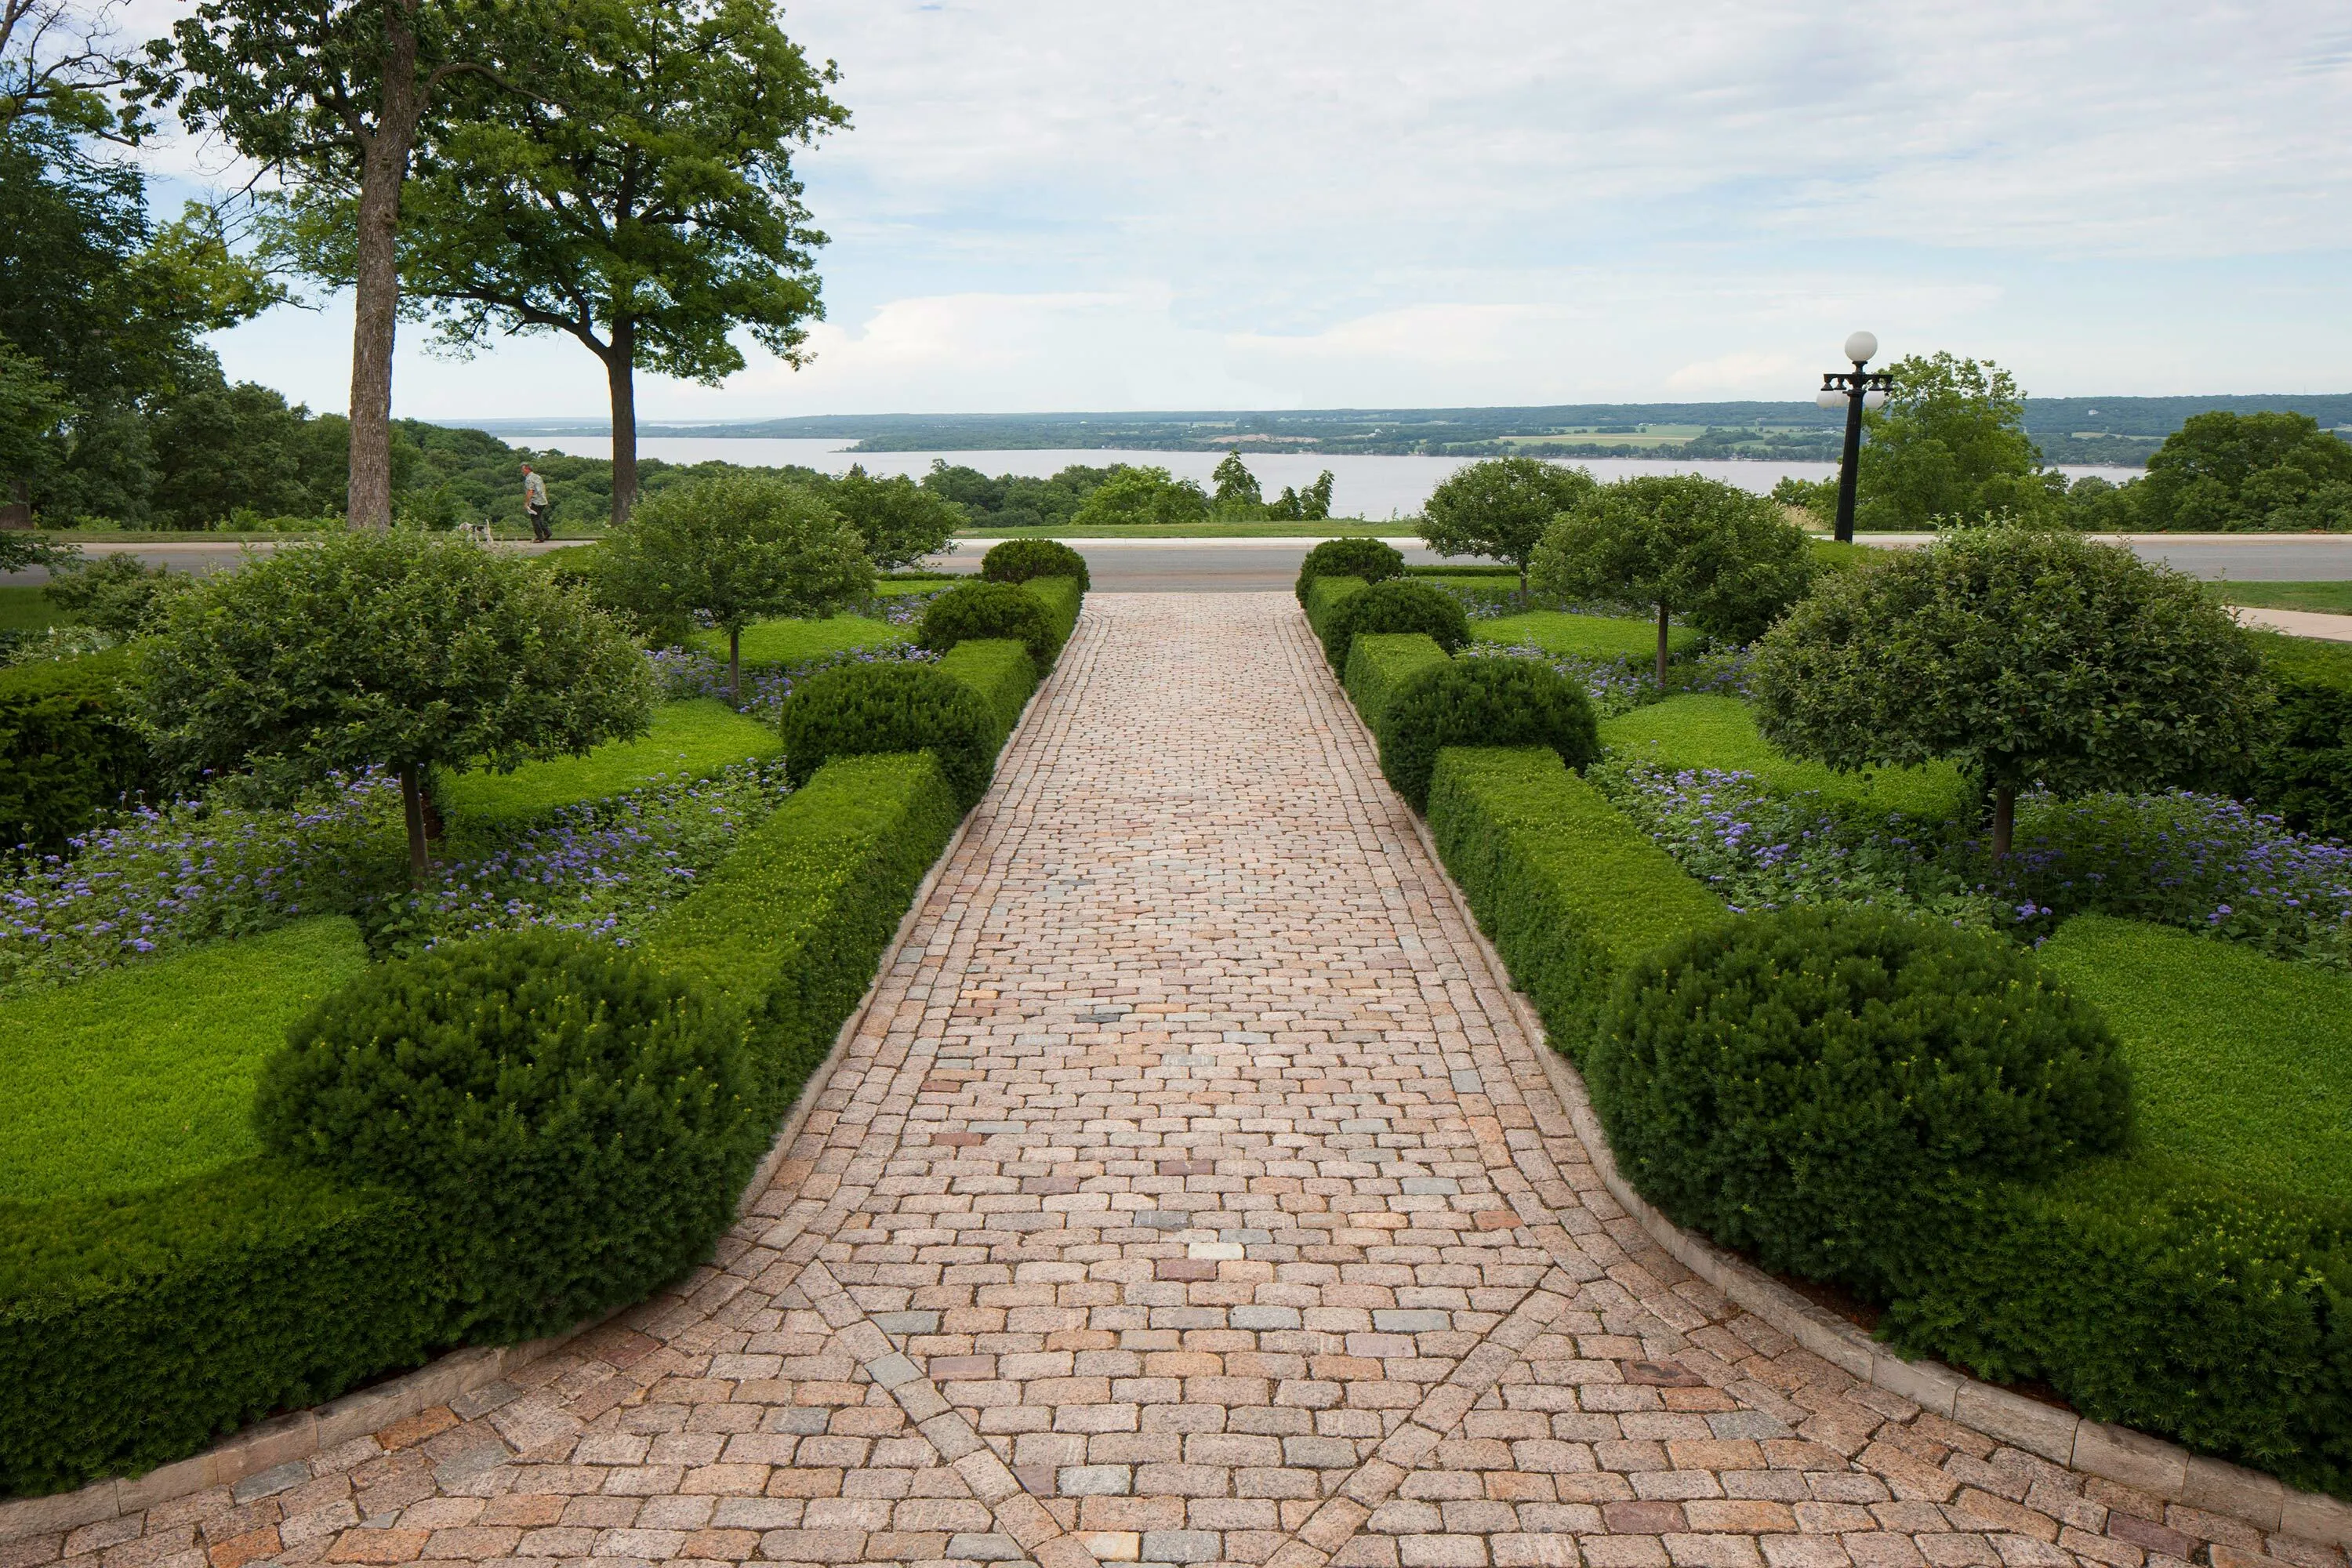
(1190, 1193)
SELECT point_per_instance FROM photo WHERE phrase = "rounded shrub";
(1399, 605)
(1018, 560)
(1481, 703)
(973, 610)
(859, 709)
(1370, 559)
(577, 1121)
(1814, 1085)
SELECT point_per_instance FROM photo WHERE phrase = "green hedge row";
(1062, 598)
(1325, 595)
(2304, 771)
(1379, 664)
(1001, 671)
(68, 752)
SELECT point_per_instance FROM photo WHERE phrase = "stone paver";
(1190, 1194)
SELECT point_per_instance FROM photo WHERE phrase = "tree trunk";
(1661, 646)
(735, 665)
(620, 373)
(383, 167)
(1523, 585)
(2005, 820)
(411, 801)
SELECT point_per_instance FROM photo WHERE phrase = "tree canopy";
(2034, 657)
(900, 521)
(1142, 497)
(1500, 508)
(1237, 489)
(2222, 472)
(1950, 446)
(1729, 560)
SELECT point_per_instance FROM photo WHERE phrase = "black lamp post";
(1857, 389)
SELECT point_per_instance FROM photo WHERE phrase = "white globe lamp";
(1859, 347)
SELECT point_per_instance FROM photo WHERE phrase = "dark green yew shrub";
(990, 610)
(1370, 559)
(1018, 560)
(70, 751)
(1399, 605)
(578, 1121)
(859, 709)
(1481, 702)
(1814, 1084)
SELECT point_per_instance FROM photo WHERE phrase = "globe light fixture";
(1855, 390)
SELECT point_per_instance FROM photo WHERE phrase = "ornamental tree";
(1730, 561)
(2036, 659)
(397, 650)
(900, 521)
(739, 548)
(1148, 496)
(1500, 509)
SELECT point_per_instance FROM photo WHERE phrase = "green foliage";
(900, 521)
(1001, 671)
(1366, 560)
(788, 929)
(576, 1120)
(229, 450)
(992, 610)
(1381, 664)
(1568, 891)
(2028, 657)
(1238, 493)
(769, 644)
(1727, 560)
(1142, 498)
(1016, 501)
(688, 740)
(1586, 636)
(144, 1074)
(1019, 560)
(1324, 598)
(1719, 732)
(1312, 504)
(862, 710)
(1064, 598)
(1502, 506)
(2223, 472)
(1398, 604)
(1795, 1083)
(1484, 702)
(1950, 446)
(2303, 768)
(119, 595)
(70, 750)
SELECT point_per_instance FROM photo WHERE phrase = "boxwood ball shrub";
(1398, 604)
(1018, 560)
(861, 709)
(577, 1119)
(990, 610)
(1813, 1084)
(1481, 703)
(1370, 559)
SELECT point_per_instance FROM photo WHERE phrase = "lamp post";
(1857, 389)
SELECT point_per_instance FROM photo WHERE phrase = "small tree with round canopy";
(1729, 560)
(2036, 658)
(398, 650)
(739, 548)
(1500, 509)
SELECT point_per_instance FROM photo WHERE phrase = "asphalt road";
(1234, 566)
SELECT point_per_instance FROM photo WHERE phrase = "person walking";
(534, 504)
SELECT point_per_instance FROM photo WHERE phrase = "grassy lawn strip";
(1701, 732)
(144, 1074)
(23, 609)
(695, 737)
(2331, 598)
(788, 642)
(2241, 1063)
(1587, 637)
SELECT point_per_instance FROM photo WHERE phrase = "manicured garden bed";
(1586, 636)
(690, 739)
(772, 643)
(1718, 733)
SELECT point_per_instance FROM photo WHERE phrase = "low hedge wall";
(1379, 664)
(68, 752)
(1062, 598)
(1326, 595)
(1001, 671)
(2303, 771)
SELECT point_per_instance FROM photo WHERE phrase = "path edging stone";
(2113, 1453)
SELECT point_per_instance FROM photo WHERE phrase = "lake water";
(1361, 486)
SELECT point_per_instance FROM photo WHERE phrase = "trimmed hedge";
(68, 752)
(1323, 597)
(1382, 663)
(1568, 889)
(1001, 671)
(991, 610)
(2304, 770)
(693, 739)
(1399, 605)
(1062, 598)
(1019, 560)
(1481, 702)
(864, 709)
(1366, 560)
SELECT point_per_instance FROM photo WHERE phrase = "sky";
(1079, 204)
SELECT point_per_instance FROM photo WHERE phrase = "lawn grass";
(144, 1074)
(2241, 1063)
(1588, 637)
(1328, 528)
(24, 609)
(694, 739)
(1699, 732)
(2331, 598)
(789, 642)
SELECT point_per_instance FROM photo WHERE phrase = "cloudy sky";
(1113, 204)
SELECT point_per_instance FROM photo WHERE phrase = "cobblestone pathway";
(1190, 1195)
